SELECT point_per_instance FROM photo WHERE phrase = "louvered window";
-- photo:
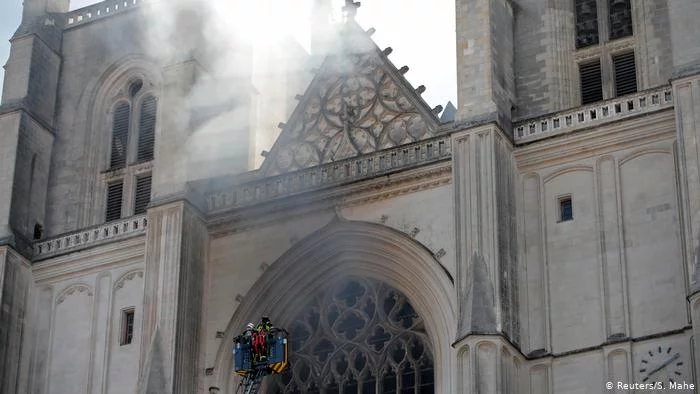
(591, 82)
(620, 19)
(143, 194)
(586, 23)
(114, 201)
(120, 136)
(625, 74)
(147, 129)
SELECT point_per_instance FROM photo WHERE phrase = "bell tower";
(27, 130)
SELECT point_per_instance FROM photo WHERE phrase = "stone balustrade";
(593, 114)
(330, 174)
(71, 242)
(99, 10)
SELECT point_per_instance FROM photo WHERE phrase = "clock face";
(661, 363)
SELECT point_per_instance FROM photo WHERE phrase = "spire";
(350, 9)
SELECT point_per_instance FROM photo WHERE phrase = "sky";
(421, 34)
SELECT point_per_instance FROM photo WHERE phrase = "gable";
(358, 103)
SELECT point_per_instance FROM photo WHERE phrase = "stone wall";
(73, 340)
(93, 53)
(616, 271)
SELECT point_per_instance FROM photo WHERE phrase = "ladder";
(251, 382)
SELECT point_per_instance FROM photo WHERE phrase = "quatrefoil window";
(358, 336)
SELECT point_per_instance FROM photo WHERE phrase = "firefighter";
(260, 339)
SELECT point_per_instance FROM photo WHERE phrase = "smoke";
(255, 60)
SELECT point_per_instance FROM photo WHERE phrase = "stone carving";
(358, 334)
(440, 254)
(356, 105)
(127, 276)
(78, 288)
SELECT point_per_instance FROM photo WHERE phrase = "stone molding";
(89, 237)
(352, 248)
(101, 10)
(131, 275)
(659, 126)
(594, 115)
(72, 289)
(368, 191)
(332, 174)
(90, 261)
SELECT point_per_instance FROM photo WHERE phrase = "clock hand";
(660, 367)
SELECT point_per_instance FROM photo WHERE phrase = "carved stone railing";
(92, 236)
(99, 10)
(594, 114)
(332, 174)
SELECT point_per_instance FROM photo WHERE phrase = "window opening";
(143, 194)
(147, 129)
(566, 209)
(620, 19)
(625, 74)
(586, 23)
(127, 327)
(135, 88)
(120, 135)
(114, 201)
(591, 82)
(355, 335)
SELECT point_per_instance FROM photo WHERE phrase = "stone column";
(483, 179)
(175, 257)
(15, 281)
(485, 79)
(686, 95)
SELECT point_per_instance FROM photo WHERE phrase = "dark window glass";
(620, 19)
(127, 327)
(625, 74)
(586, 23)
(566, 209)
(591, 82)
(114, 201)
(120, 136)
(147, 129)
(143, 194)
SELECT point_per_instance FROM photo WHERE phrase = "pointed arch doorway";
(375, 264)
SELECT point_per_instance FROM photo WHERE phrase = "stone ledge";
(374, 165)
(101, 10)
(89, 237)
(596, 114)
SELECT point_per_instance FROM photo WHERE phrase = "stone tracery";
(356, 107)
(358, 335)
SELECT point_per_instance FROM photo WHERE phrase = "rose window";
(357, 336)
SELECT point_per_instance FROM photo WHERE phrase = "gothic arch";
(96, 102)
(346, 248)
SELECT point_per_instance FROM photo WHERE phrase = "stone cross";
(350, 8)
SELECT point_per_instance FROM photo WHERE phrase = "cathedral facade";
(541, 236)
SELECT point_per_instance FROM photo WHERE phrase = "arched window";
(120, 135)
(358, 336)
(147, 129)
(128, 191)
